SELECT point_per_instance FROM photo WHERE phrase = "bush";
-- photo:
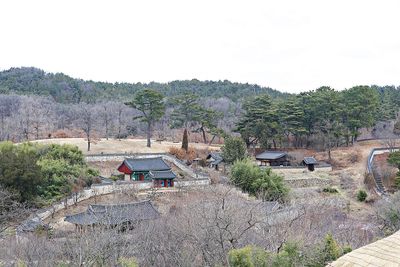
(177, 152)
(248, 256)
(60, 134)
(361, 195)
(117, 177)
(259, 182)
(326, 252)
(330, 190)
(121, 136)
(182, 154)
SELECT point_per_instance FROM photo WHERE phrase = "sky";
(290, 46)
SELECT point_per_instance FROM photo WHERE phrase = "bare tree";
(106, 117)
(10, 209)
(87, 121)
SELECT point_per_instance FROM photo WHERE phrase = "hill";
(65, 89)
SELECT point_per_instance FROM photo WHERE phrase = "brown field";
(124, 145)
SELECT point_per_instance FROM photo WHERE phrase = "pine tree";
(150, 103)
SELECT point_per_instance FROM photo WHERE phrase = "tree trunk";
(106, 124)
(329, 155)
(88, 144)
(119, 123)
(185, 140)
(2, 128)
(212, 140)
(37, 131)
(204, 134)
(148, 134)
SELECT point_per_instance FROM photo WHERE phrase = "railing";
(370, 159)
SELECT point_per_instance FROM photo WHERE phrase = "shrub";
(177, 152)
(182, 154)
(128, 262)
(121, 136)
(259, 182)
(60, 134)
(249, 256)
(361, 195)
(330, 190)
(347, 249)
(117, 177)
(331, 249)
(326, 252)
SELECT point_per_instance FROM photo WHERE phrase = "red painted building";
(148, 169)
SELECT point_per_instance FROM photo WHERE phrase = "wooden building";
(113, 215)
(148, 169)
(273, 158)
(310, 162)
(214, 160)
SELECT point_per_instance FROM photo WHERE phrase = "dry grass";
(124, 146)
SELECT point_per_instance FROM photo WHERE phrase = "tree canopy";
(263, 183)
(39, 173)
(151, 105)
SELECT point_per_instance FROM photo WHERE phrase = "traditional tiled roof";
(146, 164)
(217, 158)
(271, 155)
(384, 252)
(310, 160)
(115, 214)
(162, 174)
(30, 225)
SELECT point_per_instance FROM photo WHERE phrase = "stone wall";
(299, 170)
(167, 157)
(98, 190)
(307, 182)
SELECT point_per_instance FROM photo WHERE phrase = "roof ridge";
(120, 204)
(159, 157)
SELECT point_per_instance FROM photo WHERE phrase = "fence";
(121, 156)
(116, 187)
(377, 151)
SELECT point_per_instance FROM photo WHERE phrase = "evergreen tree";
(150, 103)
(234, 149)
(185, 140)
(186, 113)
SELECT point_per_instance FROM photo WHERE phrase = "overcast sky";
(287, 45)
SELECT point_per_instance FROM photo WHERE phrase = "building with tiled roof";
(148, 169)
(112, 215)
(384, 252)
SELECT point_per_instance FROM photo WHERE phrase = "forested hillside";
(65, 89)
(35, 105)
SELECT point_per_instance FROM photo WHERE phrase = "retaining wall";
(298, 170)
(98, 190)
(307, 182)
(197, 179)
